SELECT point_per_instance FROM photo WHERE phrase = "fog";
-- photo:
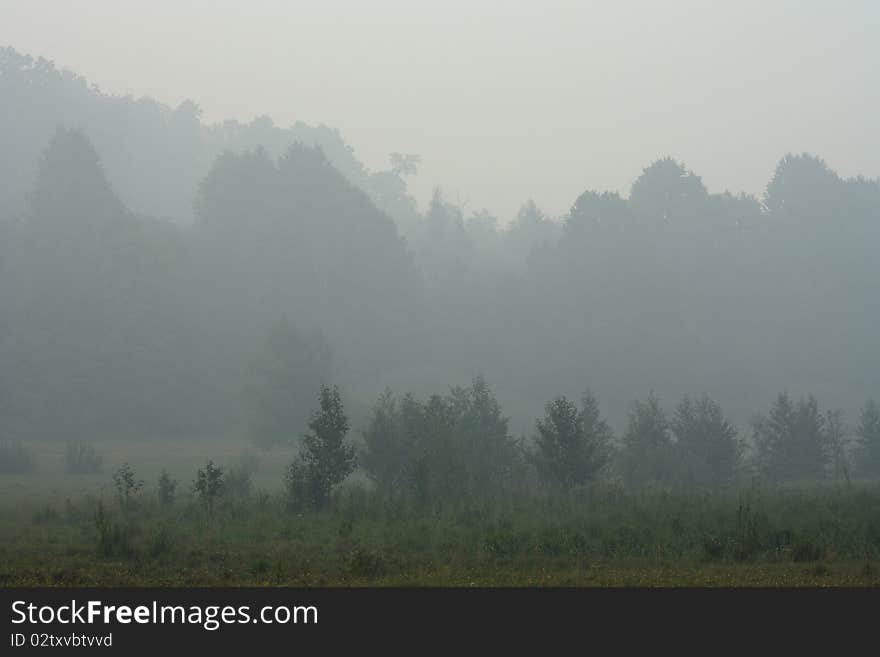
(503, 100)
(208, 212)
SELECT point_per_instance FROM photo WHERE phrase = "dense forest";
(164, 278)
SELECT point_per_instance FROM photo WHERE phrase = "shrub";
(83, 459)
(15, 458)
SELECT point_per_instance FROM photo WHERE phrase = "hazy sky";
(503, 100)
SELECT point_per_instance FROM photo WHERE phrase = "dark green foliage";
(572, 443)
(82, 459)
(707, 443)
(326, 459)
(792, 440)
(166, 489)
(15, 458)
(209, 486)
(868, 433)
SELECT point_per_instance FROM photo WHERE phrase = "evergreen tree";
(571, 443)
(326, 459)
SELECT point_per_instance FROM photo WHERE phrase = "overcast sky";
(503, 100)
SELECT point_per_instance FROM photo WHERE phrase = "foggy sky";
(502, 100)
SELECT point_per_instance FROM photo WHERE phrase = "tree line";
(458, 446)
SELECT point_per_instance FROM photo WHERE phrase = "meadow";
(63, 529)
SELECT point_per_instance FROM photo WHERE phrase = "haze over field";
(503, 100)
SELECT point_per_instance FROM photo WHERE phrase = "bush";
(15, 458)
(83, 459)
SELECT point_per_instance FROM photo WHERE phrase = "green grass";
(597, 536)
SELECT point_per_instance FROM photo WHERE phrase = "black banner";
(422, 619)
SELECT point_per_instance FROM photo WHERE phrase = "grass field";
(51, 532)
